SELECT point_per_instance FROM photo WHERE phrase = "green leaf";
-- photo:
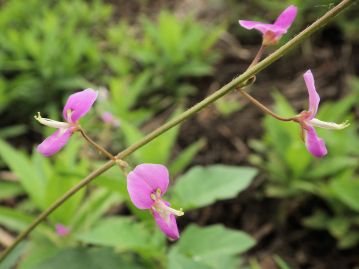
(185, 157)
(97, 204)
(337, 111)
(331, 165)
(131, 90)
(319, 220)
(12, 260)
(56, 187)
(21, 165)
(347, 190)
(122, 233)
(37, 251)
(12, 131)
(212, 245)
(89, 258)
(349, 240)
(197, 241)
(15, 220)
(156, 151)
(202, 186)
(10, 190)
(281, 263)
(178, 261)
(338, 227)
(112, 180)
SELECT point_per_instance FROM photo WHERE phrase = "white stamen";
(52, 123)
(328, 125)
(174, 211)
(164, 211)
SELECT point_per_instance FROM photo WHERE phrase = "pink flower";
(314, 144)
(146, 184)
(273, 32)
(107, 117)
(77, 105)
(62, 230)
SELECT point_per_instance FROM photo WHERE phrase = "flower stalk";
(258, 56)
(263, 107)
(97, 146)
(238, 82)
(121, 163)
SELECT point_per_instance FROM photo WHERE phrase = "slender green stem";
(240, 81)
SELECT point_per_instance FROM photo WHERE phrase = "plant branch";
(240, 81)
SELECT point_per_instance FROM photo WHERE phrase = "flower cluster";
(147, 183)
(271, 34)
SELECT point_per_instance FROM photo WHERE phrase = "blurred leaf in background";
(47, 54)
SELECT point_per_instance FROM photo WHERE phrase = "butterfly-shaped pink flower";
(146, 184)
(307, 120)
(77, 105)
(273, 32)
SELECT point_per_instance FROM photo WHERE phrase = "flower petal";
(79, 103)
(286, 18)
(144, 180)
(314, 144)
(54, 142)
(314, 98)
(169, 226)
(263, 27)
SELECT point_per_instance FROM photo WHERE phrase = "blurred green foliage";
(68, 45)
(167, 52)
(294, 173)
(48, 53)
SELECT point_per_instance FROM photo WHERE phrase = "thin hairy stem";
(97, 146)
(122, 164)
(240, 81)
(251, 98)
(258, 56)
(263, 107)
